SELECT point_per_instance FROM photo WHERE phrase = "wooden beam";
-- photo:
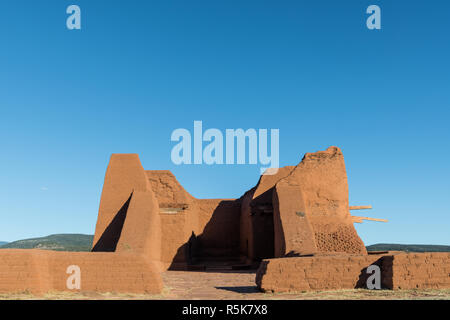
(360, 219)
(359, 207)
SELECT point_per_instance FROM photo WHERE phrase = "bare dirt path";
(211, 285)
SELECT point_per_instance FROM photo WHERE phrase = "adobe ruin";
(299, 210)
(295, 225)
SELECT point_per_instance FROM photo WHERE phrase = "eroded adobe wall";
(22, 271)
(430, 270)
(107, 272)
(174, 252)
(257, 216)
(169, 192)
(308, 205)
(219, 228)
(207, 228)
(322, 178)
(141, 232)
(315, 273)
(338, 271)
(245, 227)
(178, 215)
(39, 272)
(193, 228)
(293, 232)
(124, 175)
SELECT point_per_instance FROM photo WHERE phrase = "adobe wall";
(178, 215)
(329, 272)
(21, 271)
(141, 232)
(294, 234)
(219, 225)
(169, 192)
(207, 228)
(322, 179)
(299, 210)
(193, 228)
(430, 270)
(124, 175)
(174, 251)
(39, 272)
(314, 273)
(255, 204)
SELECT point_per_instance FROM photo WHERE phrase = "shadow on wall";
(219, 239)
(362, 281)
(262, 221)
(110, 237)
(260, 273)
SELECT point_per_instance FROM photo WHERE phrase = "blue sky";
(140, 69)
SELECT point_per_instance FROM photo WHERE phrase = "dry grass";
(357, 294)
(364, 294)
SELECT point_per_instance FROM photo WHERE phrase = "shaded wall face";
(245, 232)
(263, 234)
(192, 229)
(208, 229)
(262, 221)
(257, 223)
(219, 228)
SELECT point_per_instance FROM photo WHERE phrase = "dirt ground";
(234, 285)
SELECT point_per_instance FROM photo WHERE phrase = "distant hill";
(408, 247)
(3, 242)
(58, 242)
(83, 242)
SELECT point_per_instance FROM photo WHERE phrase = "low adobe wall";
(330, 272)
(314, 273)
(38, 272)
(430, 270)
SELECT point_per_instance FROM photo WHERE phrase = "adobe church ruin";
(297, 222)
(299, 210)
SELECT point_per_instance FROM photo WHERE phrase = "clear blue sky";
(140, 69)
